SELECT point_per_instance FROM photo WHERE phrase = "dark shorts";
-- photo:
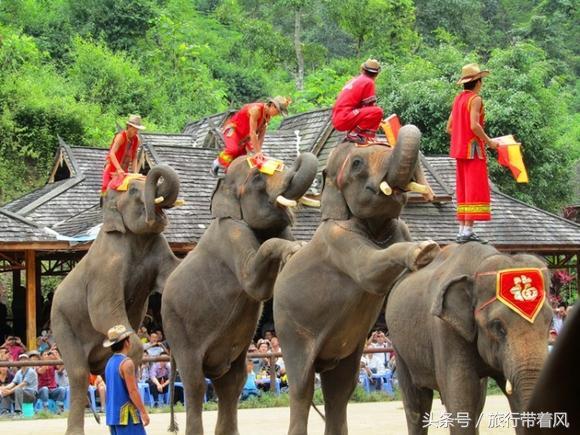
(129, 429)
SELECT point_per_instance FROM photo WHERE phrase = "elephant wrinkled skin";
(330, 293)
(129, 259)
(449, 337)
(212, 302)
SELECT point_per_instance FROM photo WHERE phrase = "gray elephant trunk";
(403, 161)
(162, 195)
(523, 383)
(300, 176)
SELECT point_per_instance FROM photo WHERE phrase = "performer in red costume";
(355, 111)
(244, 132)
(122, 157)
(468, 140)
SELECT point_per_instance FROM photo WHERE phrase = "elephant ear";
(112, 218)
(454, 305)
(225, 201)
(333, 205)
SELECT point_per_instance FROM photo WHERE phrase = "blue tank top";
(119, 406)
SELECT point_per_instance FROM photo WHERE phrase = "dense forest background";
(78, 67)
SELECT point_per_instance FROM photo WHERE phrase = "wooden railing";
(148, 359)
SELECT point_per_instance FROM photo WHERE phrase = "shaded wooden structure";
(48, 230)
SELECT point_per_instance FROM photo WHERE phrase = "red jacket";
(126, 152)
(357, 93)
(464, 143)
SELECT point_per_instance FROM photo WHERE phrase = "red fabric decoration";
(522, 290)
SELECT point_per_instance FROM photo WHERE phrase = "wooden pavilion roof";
(66, 211)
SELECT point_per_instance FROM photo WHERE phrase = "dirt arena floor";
(381, 418)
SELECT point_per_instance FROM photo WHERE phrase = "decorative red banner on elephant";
(522, 290)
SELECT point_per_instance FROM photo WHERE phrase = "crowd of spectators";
(31, 384)
(561, 312)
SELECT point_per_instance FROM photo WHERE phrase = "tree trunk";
(298, 49)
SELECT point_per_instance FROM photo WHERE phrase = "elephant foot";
(424, 253)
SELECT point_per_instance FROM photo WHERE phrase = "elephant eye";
(357, 164)
(498, 328)
(133, 190)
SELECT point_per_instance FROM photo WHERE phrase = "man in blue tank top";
(126, 414)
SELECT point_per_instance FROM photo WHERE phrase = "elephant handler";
(122, 155)
(126, 414)
(468, 140)
(245, 131)
(355, 109)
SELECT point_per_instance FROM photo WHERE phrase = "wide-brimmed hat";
(371, 65)
(135, 121)
(471, 72)
(23, 355)
(116, 334)
(281, 104)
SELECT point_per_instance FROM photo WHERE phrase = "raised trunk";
(166, 191)
(403, 161)
(301, 175)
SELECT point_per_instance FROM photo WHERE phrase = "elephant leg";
(228, 389)
(191, 373)
(418, 401)
(463, 394)
(77, 368)
(337, 387)
(300, 371)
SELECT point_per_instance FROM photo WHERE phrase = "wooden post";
(30, 259)
(272, 373)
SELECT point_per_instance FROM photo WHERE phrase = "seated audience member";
(250, 387)
(263, 375)
(380, 340)
(47, 385)
(154, 347)
(255, 361)
(99, 384)
(23, 388)
(559, 317)
(5, 377)
(275, 344)
(143, 335)
(268, 335)
(61, 375)
(15, 347)
(43, 342)
(364, 371)
(159, 378)
(144, 371)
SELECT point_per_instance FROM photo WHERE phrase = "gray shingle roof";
(200, 129)
(310, 125)
(70, 206)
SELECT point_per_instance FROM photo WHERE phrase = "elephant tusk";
(385, 188)
(285, 201)
(310, 202)
(159, 200)
(416, 187)
(508, 388)
(178, 203)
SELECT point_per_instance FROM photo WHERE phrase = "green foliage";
(75, 67)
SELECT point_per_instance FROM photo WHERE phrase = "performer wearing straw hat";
(468, 140)
(245, 131)
(126, 414)
(122, 155)
(355, 110)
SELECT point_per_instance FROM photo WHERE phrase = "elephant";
(557, 388)
(450, 333)
(330, 293)
(129, 259)
(212, 302)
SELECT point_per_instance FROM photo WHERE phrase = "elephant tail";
(173, 427)
(318, 411)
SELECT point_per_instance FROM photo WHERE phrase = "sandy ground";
(381, 418)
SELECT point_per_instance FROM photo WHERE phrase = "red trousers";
(235, 146)
(472, 190)
(364, 121)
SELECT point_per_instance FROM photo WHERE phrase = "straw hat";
(116, 334)
(372, 66)
(135, 121)
(471, 72)
(281, 103)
